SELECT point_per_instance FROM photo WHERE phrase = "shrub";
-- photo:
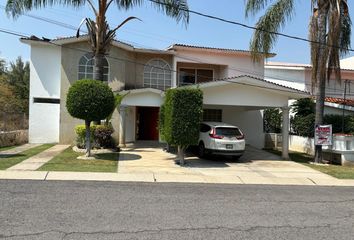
(272, 120)
(80, 131)
(304, 125)
(182, 111)
(89, 100)
(103, 136)
(336, 121)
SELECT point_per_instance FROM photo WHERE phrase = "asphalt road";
(107, 210)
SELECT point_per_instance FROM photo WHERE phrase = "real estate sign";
(323, 135)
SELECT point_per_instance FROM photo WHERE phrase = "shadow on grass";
(11, 155)
(128, 157)
(107, 156)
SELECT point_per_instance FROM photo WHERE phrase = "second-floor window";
(86, 65)
(188, 76)
(157, 74)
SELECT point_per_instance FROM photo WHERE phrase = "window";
(212, 115)
(189, 76)
(86, 65)
(204, 128)
(157, 74)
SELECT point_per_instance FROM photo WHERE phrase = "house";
(233, 85)
(298, 76)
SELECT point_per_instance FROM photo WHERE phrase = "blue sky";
(158, 31)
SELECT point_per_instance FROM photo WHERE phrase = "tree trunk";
(88, 138)
(181, 155)
(98, 73)
(321, 75)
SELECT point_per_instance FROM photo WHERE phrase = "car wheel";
(201, 150)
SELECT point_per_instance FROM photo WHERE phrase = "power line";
(252, 27)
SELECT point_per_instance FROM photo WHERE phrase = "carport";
(241, 101)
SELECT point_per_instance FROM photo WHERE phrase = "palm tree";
(100, 35)
(329, 33)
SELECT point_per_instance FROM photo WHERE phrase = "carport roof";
(254, 82)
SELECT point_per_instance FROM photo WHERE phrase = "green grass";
(337, 171)
(6, 148)
(7, 161)
(67, 161)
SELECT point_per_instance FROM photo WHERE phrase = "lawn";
(341, 172)
(67, 161)
(7, 161)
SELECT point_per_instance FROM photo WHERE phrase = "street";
(111, 210)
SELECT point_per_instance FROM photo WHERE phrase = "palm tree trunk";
(98, 72)
(321, 74)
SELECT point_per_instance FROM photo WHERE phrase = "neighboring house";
(299, 76)
(233, 86)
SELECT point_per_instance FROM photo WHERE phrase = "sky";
(157, 31)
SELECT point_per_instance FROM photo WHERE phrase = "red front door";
(147, 123)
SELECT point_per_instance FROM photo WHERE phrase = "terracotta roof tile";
(348, 102)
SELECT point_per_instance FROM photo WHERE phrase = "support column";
(174, 72)
(285, 133)
(122, 125)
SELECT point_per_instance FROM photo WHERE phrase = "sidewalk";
(35, 162)
(164, 178)
(19, 149)
(152, 164)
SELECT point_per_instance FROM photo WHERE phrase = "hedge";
(182, 114)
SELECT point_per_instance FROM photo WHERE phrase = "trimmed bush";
(80, 131)
(182, 114)
(103, 136)
(90, 100)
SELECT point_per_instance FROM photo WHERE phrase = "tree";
(182, 113)
(2, 66)
(89, 100)
(18, 79)
(303, 107)
(100, 35)
(272, 119)
(329, 30)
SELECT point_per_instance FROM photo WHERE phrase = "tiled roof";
(348, 102)
(213, 48)
(256, 78)
(296, 65)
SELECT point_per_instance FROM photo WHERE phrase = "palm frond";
(18, 7)
(272, 21)
(177, 9)
(254, 6)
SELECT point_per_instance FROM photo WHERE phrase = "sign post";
(323, 135)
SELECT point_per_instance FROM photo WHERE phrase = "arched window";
(86, 65)
(157, 74)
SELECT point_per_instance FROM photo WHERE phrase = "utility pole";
(344, 103)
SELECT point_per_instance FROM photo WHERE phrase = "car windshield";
(228, 131)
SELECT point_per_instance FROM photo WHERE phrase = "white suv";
(221, 138)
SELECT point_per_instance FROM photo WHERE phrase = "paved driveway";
(256, 166)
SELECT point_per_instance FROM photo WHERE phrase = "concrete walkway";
(17, 150)
(36, 161)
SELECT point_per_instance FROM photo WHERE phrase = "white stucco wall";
(44, 83)
(143, 99)
(236, 64)
(250, 122)
(290, 77)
